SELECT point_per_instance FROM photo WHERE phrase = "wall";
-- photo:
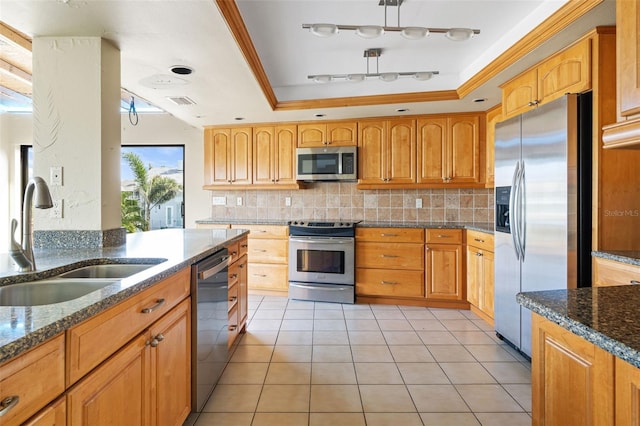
(333, 200)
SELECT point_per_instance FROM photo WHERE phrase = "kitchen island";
(586, 355)
(24, 327)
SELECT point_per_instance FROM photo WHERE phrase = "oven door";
(328, 260)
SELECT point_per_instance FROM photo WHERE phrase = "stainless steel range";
(322, 261)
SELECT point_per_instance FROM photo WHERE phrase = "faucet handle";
(15, 246)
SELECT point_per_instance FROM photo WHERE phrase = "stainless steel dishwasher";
(209, 325)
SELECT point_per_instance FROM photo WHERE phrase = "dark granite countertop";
(23, 327)
(604, 316)
(631, 257)
(483, 227)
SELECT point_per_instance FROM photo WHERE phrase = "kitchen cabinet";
(31, 381)
(228, 156)
(568, 71)
(342, 133)
(389, 262)
(627, 394)
(55, 414)
(625, 132)
(609, 272)
(494, 116)
(480, 273)
(444, 265)
(387, 154)
(449, 150)
(268, 254)
(148, 381)
(572, 379)
(238, 290)
(274, 155)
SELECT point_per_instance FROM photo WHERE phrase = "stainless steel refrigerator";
(543, 208)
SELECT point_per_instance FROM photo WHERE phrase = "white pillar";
(76, 107)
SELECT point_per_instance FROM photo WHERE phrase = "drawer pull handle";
(389, 256)
(260, 275)
(242, 266)
(388, 282)
(479, 240)
(233, 327)
(260, 250)
(234, 253)
(444, 236)
(388, 235)
(233, 276)
(233, 299)
(158, 304)
(8, 403)
(244, 245)
(260, 231)
(634, 282)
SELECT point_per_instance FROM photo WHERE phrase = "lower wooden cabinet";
(480, 273)
(572, 379)
(238, 289)
(55, 414)
(609, 272)
(627, 394)
(148, 381)
(444, 265)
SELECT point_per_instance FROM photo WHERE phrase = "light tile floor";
(316, 364)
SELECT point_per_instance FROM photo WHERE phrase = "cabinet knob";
(154, 343)
(233, 276)
(478, 254)
(160, 337)
(8, 403)
(233, 327)
(233, 299)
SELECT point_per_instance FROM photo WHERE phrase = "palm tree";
(151, 191)
(132, 216)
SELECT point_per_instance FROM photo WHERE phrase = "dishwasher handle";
(224, 262)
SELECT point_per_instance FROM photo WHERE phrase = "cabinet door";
(401, 151)
(628, 59)
(241, 160)
(372, 155)
(310, 135)
(444, 272)
(243, 291)
(53, 415)
(172, 366)
(487, 294)
(519, 94)
(493, 117)
(284, 155)
(217, 156)
(263, 144)
(116, 393)
(627, 394)
(464, 150)
(342, 134)
(569, 71)
(474, 275)
(572, 379)
(432, 138)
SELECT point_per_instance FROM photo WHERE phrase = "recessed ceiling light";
(239, 118)
(479, 99)
(402, 110)
(319, 115)
(181, 69)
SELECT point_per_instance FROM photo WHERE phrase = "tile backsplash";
(341, 200)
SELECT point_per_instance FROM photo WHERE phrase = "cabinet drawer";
(34, 378)
(264, 231)
(243, 246)
(481, 240)
(393, 235)
(390, 255)
(54, 415)
(234, 273)
(233, 297)
(444, 236)
(234, 329)
(609, 272)
(93, 341)
(268, 251)
(234, 251)
(389, 282)
(268, 277)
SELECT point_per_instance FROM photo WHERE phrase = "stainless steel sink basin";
(46, 292)
(115, 270)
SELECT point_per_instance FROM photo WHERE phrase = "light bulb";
(325, 78)
(369, 31)
(423, 76)
(324, 30)
(355, 78)
(389, 76)
(414, 33)
(459, 34)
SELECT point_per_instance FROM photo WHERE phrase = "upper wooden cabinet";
(449, 150)
(568, 71)
(323, 134)
(494, 115)
(227, 156)
(274, 151)
(625, 133)
(387, 152)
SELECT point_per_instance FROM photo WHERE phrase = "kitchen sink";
(46, 292)
(112, 270)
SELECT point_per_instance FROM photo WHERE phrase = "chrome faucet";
(22, 254)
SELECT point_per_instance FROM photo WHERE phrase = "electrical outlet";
(55, 175)
(57, 209)
(219, 201)
(239, 201)
(418, 203)
(287, 201)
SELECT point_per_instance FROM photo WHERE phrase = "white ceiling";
(153, 35)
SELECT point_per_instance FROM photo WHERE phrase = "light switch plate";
(219, 201)
(418, 203)
(239, 201)
(57, 209)
(287, 201)
(55, 175)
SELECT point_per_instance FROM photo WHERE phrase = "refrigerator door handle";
(513, 214)
(522, 211)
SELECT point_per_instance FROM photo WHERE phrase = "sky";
(157, 156)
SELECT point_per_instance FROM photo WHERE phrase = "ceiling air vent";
(181, 100)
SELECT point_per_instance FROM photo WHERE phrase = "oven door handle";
(328, 240)
(314, 287)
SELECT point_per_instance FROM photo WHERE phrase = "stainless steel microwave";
(327, 163)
